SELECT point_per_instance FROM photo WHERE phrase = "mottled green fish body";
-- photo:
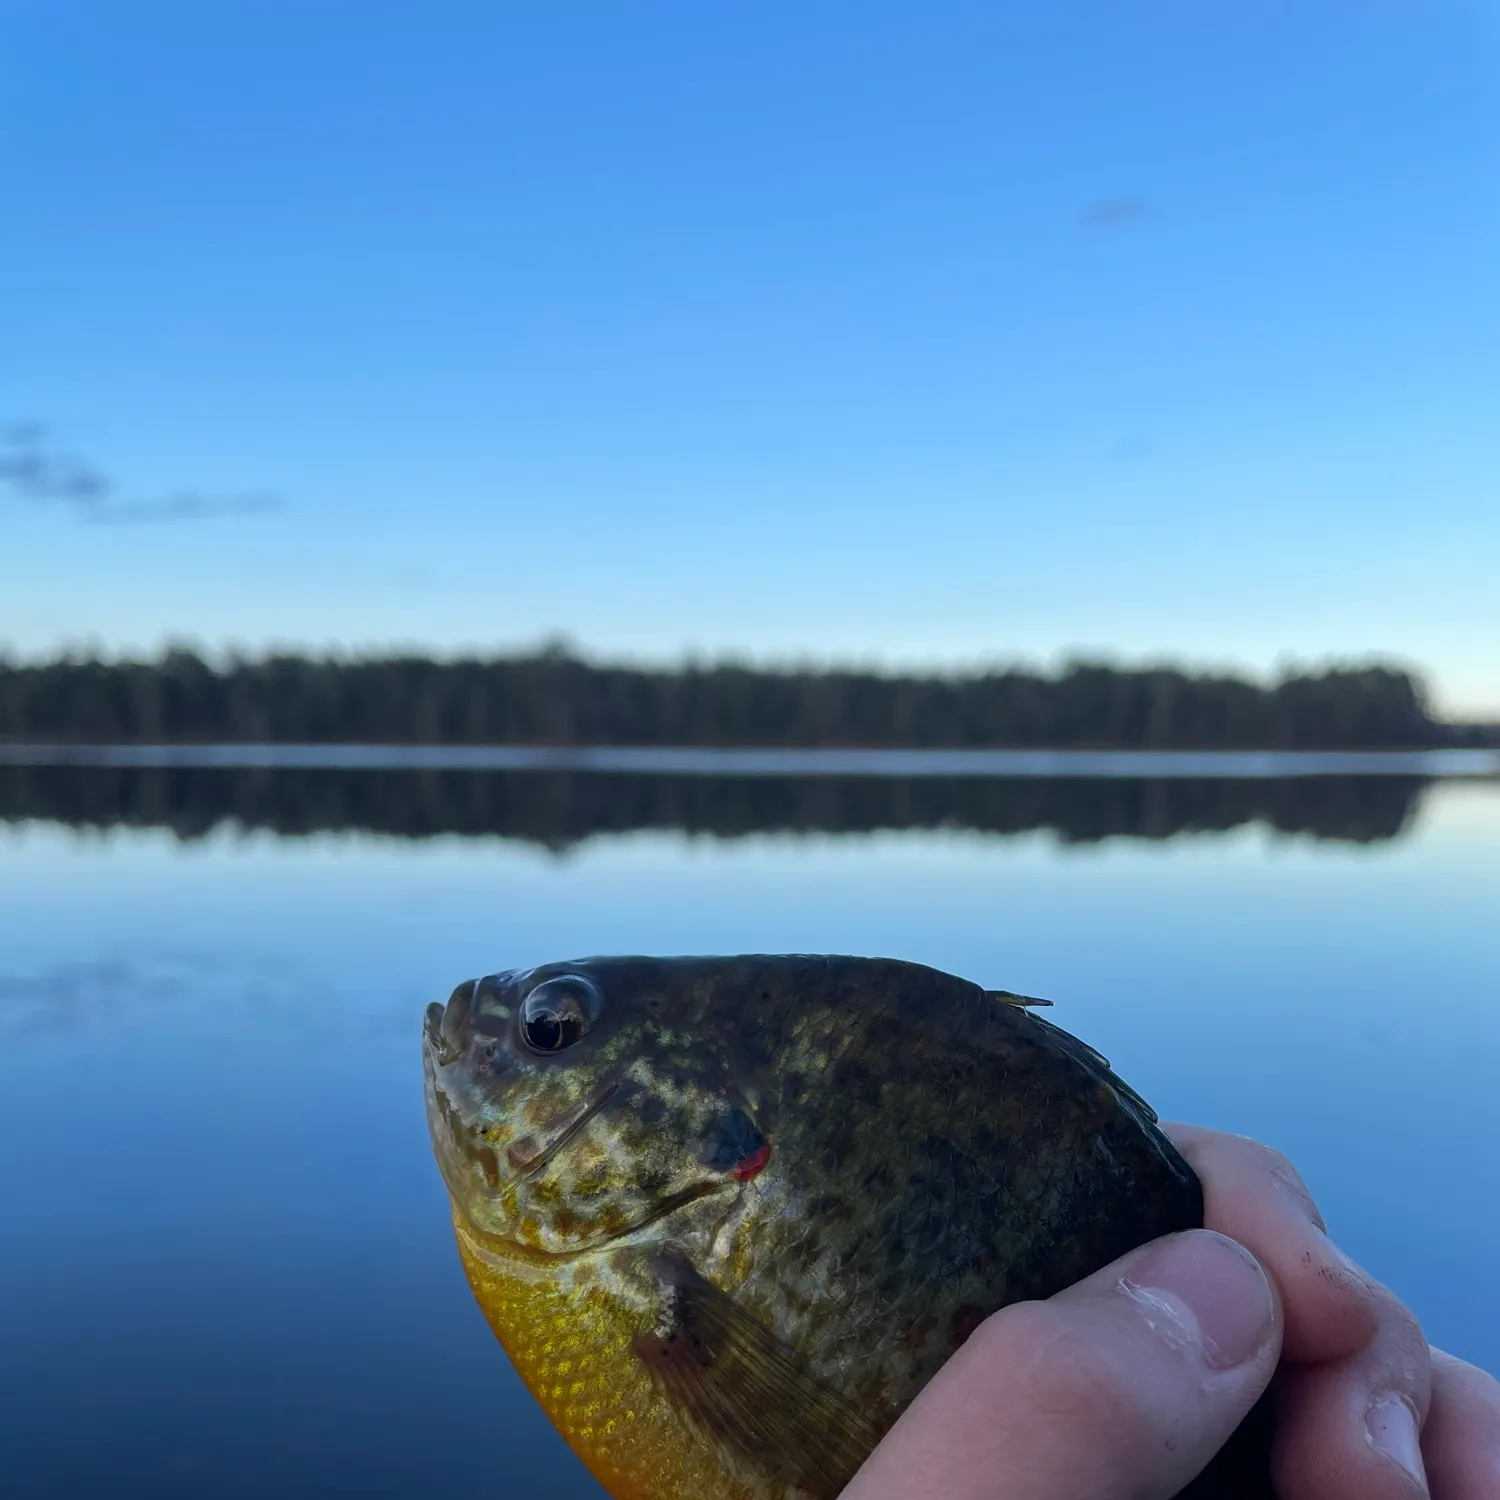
(772, 1195)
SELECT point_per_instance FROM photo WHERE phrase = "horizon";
(852, 338)
(227, 654)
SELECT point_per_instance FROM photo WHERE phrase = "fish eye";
(556, 1014)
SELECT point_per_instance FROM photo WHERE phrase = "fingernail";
(1214, 1287)
(1392, 1430)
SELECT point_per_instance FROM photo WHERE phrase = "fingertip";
(1461, 1439)
(1333, 1304)
(1222, 1287)
(1334, 1443)
(1391, 1430)
(1252, 1193)
(1349, 1429)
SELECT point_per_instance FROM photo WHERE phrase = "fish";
(728, 1215)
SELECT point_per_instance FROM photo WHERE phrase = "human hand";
(1365, 1409)
(1123, 1386)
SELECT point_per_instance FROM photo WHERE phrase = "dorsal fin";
(1005, 997)
(1098, 1064)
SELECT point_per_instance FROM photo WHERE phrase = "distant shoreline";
(552, 703)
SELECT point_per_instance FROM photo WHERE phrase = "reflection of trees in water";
(559, 809)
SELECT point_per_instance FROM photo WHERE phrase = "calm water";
(659, 761)
(225, 1266)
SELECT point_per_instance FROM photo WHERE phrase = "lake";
(225, 1261)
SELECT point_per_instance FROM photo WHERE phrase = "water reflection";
(561, 809)
(225, 1264)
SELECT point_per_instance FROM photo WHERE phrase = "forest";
(554, 698)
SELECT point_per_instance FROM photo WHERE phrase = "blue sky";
(917, 334)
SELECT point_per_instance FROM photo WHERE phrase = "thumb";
(1119, 1388)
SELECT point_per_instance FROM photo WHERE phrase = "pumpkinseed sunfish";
(727, 1216)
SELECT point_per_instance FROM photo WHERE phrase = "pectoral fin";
(739, 1386)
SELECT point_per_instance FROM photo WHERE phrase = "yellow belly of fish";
(571, 1346)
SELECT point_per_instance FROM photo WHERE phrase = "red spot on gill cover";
(753, 1165)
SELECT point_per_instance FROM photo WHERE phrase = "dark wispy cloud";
(1115, 213)
(187, 506)
(33, 469)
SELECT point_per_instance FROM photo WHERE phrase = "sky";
(941, 335)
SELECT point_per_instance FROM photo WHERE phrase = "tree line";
(553, 698)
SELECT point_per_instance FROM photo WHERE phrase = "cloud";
(35, 474)
(184, 507)
(34, 471)
(1115, 213)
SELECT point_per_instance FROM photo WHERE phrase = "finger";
(1349, 1429)
(1119, 1388)
(1254, 1195)
(1461, 1441)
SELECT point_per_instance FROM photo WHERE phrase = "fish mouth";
(432, 1032)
